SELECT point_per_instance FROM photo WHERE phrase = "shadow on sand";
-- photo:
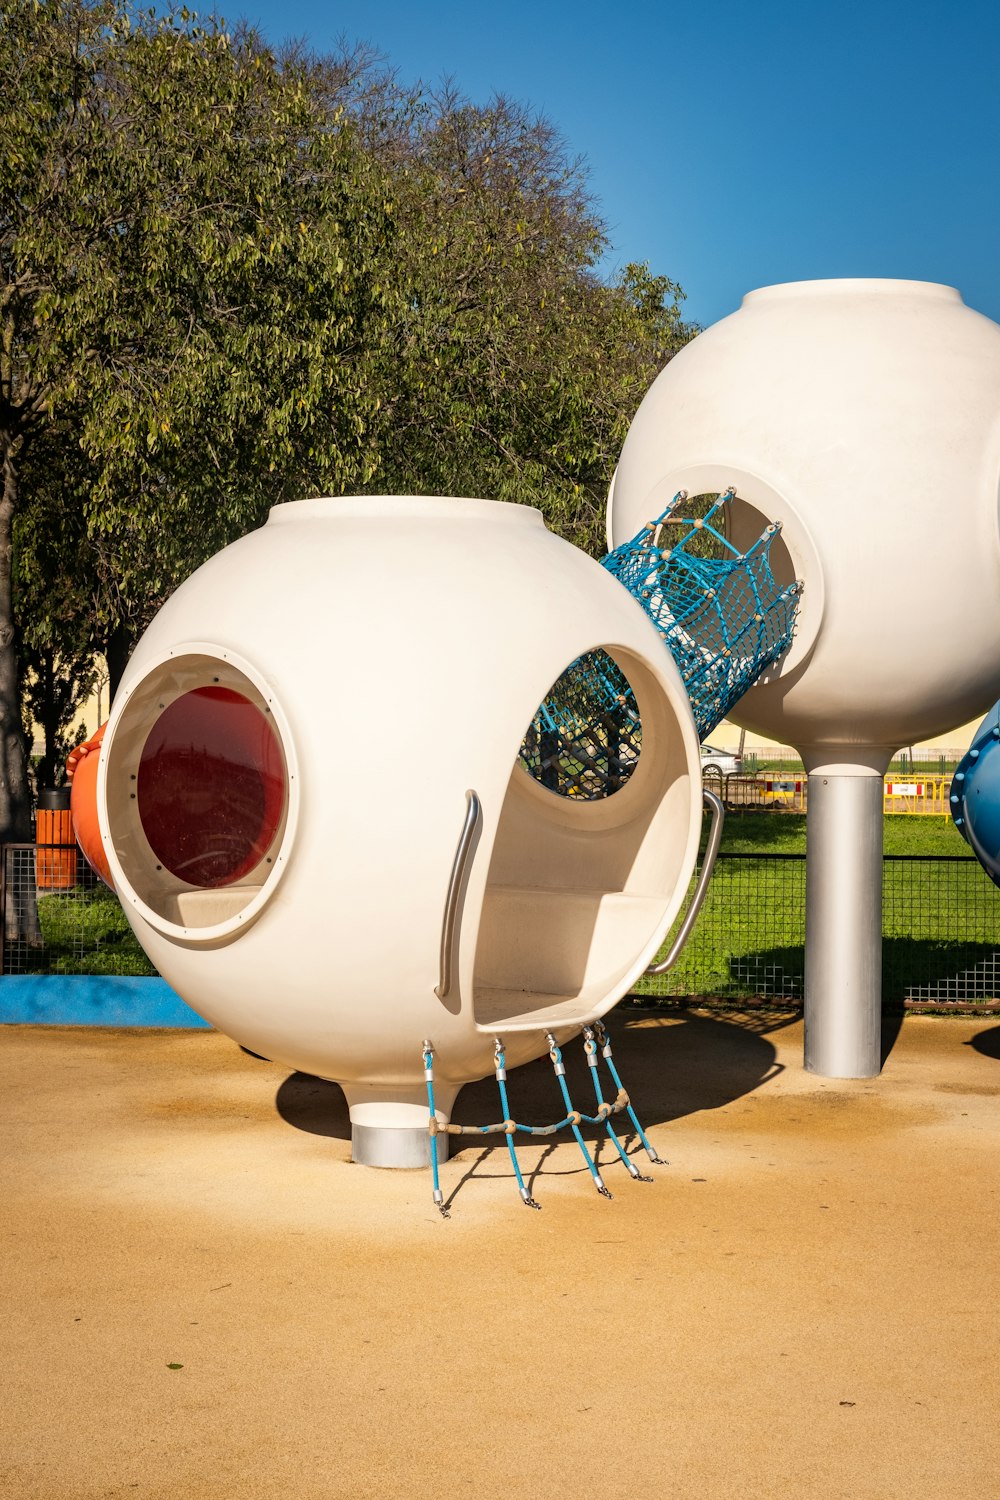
(987, 1042)
(672, 1065)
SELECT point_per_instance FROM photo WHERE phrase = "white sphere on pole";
(864, 416)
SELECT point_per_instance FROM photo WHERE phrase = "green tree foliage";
(193, 245)
(54, 596)
(519, 369)
(230, 278)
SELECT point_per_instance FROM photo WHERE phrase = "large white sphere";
(865, 417)
(284, 778)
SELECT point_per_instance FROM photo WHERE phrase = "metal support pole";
(843, 1000)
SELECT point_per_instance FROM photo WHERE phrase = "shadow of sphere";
(671, 1066)
(987, 1042)
(314, 1105)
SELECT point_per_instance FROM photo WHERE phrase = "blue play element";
(721, 614)
(584, 738)
(92, 1000)
(975, 794)
(722, 617)
(596, 1040)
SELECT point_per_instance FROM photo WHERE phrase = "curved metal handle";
(701, 889)
(463, 856)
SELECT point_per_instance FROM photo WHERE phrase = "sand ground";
(803, 1304)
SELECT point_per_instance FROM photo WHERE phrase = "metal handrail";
(718, 812)
(463, 854)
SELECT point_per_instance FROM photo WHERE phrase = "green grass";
(940, 922)
(86, 932)
(785, 833)
(907, 834)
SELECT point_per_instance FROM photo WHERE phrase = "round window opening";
(585, 737)
(211, 787)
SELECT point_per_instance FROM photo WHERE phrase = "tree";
(193, 273)
(230, 278)
(54, 597)
(518, 369)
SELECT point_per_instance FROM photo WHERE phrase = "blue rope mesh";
(584, 738)
(720, 613)
(723, 618)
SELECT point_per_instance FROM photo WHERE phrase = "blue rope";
(559, 1068)
(595, 1037)
(500, 1064)
(429, 1079)
(590, 1048)
(723, 619)
(604, 1042)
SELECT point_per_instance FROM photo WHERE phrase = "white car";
(726, 762)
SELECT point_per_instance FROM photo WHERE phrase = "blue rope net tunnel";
(584, 738)
(720, 613)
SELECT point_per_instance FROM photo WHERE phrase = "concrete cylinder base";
(394, 1146)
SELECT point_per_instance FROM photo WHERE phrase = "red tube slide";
(81, 768)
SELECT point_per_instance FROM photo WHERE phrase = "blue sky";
(735, 145)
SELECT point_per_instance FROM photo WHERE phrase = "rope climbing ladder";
(596, 1041)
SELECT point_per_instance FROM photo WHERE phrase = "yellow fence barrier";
(925, 796)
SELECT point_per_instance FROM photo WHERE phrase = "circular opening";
(755, 506)
(586, 735)
(197, 794)
(741, 523)
(211, 787)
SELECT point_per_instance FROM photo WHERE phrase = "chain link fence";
(58, 918)
(941, 927)
(940, 924)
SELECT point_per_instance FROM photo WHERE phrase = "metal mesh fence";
(941, 926)
(940, 923)
(750, 935)
(941, 930)
(59, 919)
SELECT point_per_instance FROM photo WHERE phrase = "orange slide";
(81, 769)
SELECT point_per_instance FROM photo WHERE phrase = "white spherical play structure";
(864, 416)
(316, 818)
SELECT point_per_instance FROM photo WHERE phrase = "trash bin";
(55, 842)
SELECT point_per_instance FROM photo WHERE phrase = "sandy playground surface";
(204, 1298)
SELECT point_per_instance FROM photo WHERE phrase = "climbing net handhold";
(723, 618)
(585, 736)
(595, 1040)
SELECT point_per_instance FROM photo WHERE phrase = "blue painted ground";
(92, 1000)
